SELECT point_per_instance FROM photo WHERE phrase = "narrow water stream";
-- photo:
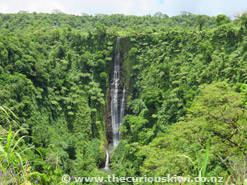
(107, 160)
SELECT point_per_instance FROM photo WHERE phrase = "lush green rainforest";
(185, 79)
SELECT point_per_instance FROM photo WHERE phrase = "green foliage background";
(186, 87)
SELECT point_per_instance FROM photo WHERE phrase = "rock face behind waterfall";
(117, 97)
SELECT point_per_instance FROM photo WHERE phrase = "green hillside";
(185, 79)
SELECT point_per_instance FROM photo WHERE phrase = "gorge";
(65, 88)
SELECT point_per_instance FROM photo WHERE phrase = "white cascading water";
(107, 160)
(122, 108)
(116, 114)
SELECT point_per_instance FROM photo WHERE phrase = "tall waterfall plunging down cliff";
(117, 98)
(122, 108)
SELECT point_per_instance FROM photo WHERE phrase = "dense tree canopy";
(185, 79)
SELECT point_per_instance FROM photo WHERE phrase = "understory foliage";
(185, 78)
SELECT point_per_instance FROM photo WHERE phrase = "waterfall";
(107, 161)
(116, 114)
(122, 108)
